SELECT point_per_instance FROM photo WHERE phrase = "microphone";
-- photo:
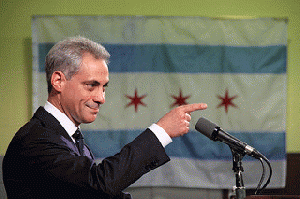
(215, 133)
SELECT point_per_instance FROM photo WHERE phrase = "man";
(46, 158)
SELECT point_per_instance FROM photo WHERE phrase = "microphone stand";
(237, 157)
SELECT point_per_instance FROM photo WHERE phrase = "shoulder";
(42, 129)
(40, 124)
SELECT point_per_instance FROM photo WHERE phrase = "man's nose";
(100, 97)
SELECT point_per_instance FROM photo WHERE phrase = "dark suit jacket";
(43, 162)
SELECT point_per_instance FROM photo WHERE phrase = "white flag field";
(237, 66)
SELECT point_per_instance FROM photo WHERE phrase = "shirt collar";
(63, 119)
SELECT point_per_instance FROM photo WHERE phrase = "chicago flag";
(237, 67)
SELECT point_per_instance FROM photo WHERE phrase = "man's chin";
(90, 118)
(87, 121)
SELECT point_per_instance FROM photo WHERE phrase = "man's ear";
(58, 80)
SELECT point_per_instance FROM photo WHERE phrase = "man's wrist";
(161, 134)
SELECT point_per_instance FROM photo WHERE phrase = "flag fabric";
(236, 66)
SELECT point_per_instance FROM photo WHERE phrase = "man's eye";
(90, 86)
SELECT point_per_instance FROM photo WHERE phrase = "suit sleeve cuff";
(161, 134)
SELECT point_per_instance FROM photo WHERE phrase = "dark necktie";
(79, 140)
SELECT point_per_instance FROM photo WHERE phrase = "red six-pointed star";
(136, 100)
(180, 100)
(226, 101)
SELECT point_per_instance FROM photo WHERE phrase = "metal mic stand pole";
(238, 169)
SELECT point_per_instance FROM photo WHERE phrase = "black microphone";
(215, 133)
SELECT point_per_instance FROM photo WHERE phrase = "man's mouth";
(93, 106)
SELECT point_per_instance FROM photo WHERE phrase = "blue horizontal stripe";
(189, 58)
(192, 145)
(43, 49)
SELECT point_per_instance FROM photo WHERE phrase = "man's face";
(82, 95)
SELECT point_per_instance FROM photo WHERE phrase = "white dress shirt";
(70, 127)
(63, 119)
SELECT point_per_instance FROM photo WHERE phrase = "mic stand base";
(240, 193)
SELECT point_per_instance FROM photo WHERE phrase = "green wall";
(15, 45)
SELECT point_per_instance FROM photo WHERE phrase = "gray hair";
(66, 56)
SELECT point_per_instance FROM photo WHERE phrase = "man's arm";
(56, 162)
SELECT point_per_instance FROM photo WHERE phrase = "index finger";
(188, 108)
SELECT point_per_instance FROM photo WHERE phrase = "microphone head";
(205, 127)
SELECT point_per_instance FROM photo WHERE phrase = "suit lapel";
(88, 152)
(51, 122)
